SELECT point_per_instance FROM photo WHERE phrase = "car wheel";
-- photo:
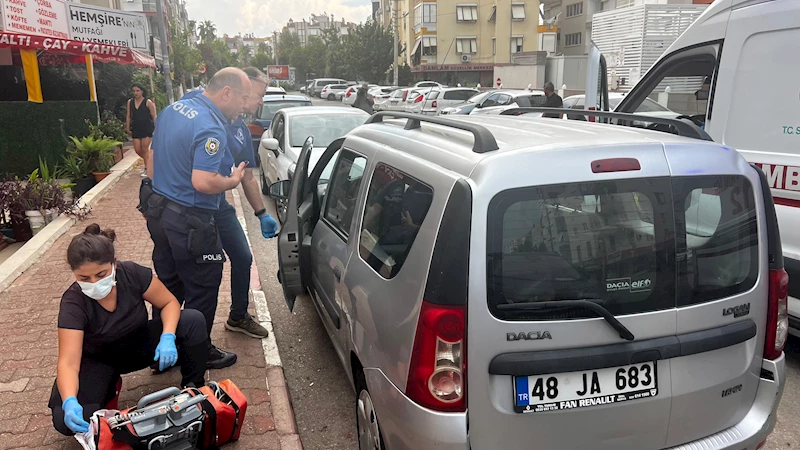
(367, 428)
(281, 208)
(331, 97)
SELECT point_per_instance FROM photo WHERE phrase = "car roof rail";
(484, 139)
(684, 127)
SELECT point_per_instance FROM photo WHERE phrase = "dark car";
(272, 103)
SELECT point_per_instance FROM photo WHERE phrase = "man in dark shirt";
(553, 100)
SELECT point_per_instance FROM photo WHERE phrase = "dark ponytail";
(93, 245)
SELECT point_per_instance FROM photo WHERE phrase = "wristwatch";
(260, 212)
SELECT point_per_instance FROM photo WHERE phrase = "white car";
(433, 102)
(500, 101)
(466, 107)
(273, 90)
(397, 101)
(333, 91)
(649, 107)
(349, 96)
(381, 95)
(281, 144)
(425, 84)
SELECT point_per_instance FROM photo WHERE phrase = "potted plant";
(77, 171)
(98, 153)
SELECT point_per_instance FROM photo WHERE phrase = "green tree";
(244, 55)
(185, 59)
(367, 51)
(288, 42)
(261, 60)
(207, 31)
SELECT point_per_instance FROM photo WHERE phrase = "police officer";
(189, 147)
(234, 241)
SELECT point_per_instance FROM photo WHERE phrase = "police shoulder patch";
(212, 146)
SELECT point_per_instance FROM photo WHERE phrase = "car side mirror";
(270, 143)
(280, 190)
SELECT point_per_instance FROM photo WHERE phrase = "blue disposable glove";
(73, 415)
(166, 352)
(269, 226)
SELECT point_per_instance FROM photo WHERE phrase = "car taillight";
(405, 96)
(437, 375)
(348, 93)
(777, 314)
(434, 104)
(419, 99)
(592, 118)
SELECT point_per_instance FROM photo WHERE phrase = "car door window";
(342, 195)
(503, 99)
(278, 128)
(396, 207)
(490, 101)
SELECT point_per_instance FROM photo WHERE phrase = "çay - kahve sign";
(108, 26)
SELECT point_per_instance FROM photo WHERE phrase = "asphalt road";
(323, 400)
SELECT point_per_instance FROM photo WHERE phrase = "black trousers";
(98, 375)
(193, 280)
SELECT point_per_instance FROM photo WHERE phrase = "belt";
(185, 210)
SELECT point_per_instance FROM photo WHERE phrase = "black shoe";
(247, 326)
(219, 359)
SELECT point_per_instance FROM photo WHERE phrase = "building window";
(429, 12)
(467, 13)
(624, 3)
(418, 16)
(467, 45)
(494, 46)
(516, 44)
(576, 9)
(572, 40)
(518, 11)
(428, 45)
(493, 15)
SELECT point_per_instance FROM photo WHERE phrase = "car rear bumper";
(758, 423)
(408, 426)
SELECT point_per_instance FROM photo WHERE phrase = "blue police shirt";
(240, 147)
(190, 134)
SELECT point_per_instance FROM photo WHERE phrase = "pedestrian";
(189, 147)
(553, 100)
(364, 101)
(103, 331)
(234, 241)
(140, 122)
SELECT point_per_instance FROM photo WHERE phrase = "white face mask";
(101, 288)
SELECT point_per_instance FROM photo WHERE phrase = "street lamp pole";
(162, 30)
(396, 32)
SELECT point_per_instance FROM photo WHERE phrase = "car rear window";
(531, 101)
(269, 109)
(625, 244)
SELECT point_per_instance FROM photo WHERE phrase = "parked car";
(502, 100)
(302, 89)
(397, 101)
(424, 84)
(649, 107)
(318, 84)
(432, 102)
(350, 94)
(273, 90)
(281, 143)
(273, 102)
(494, 292)
(380, 95)
(333, 91)
(467, 106)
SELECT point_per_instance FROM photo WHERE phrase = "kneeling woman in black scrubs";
(104, 332)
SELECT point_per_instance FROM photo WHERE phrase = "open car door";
(596, 80)
(294, 239)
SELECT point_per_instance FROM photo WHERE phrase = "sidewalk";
(29, 347)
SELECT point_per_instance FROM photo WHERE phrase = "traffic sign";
(499, 82)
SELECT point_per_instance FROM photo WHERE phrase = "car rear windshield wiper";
(585, 304)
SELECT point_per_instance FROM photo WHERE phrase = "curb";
(281, 404)
(29, 253)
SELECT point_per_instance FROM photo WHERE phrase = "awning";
(100, 52)
(416, 45)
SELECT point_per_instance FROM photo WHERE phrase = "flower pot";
(83, 185)
(118, 154)
(50, 215)
(100, 176)
(22, 230)
(36, 220)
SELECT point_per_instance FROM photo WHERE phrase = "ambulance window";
(679, 83)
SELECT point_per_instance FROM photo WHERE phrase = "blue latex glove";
(166, 352)
(269, 226)
(73, 415)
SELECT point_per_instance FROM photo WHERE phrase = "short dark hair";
(549, 86)
(137, 85)
(229, 76)
(93, 245)
(254, 74)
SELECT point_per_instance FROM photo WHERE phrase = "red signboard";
(100, 52)
(278, 72)
(36, 17)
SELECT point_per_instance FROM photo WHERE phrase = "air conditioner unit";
(466, 58)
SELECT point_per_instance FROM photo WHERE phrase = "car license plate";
(560, 391)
